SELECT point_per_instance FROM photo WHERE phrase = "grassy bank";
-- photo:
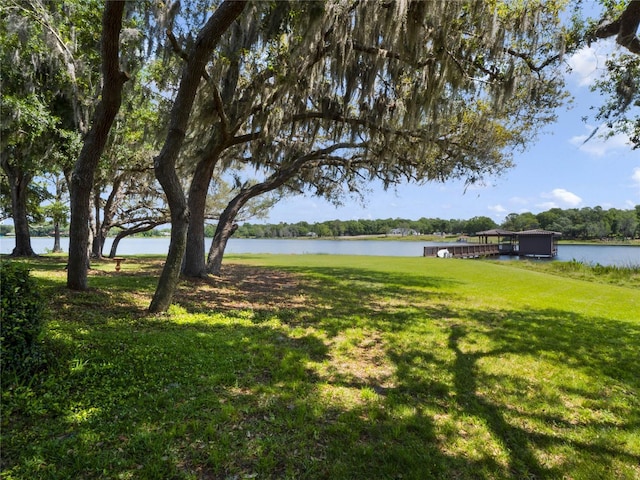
(628, 275)
(318, 366)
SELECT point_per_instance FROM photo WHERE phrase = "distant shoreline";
(405, 238)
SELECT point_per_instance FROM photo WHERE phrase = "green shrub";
(21, 319)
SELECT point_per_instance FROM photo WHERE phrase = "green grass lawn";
(331, 367)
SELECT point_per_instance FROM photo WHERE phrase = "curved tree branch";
(625, 27)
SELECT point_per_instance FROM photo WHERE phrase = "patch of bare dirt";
(243, 287)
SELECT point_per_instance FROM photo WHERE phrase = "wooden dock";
(467, 250)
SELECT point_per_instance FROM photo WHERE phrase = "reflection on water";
(602, 254)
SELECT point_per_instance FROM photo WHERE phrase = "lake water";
(602, 254)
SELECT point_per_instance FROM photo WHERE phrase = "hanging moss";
(399, 76)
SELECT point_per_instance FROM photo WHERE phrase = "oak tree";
(405, 91)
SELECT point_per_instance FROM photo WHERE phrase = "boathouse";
(538, 243)
(528, 243)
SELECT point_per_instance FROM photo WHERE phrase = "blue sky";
(557, 170)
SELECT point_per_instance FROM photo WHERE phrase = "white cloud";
(598, 146)
(588, 63)
(563, 197)
(497, 208)
(547, 205)
(584, 66)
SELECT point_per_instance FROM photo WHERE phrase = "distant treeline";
(579, 224)
(584, 223)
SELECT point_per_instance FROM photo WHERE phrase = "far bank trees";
(585, 223)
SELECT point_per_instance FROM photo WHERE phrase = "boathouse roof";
(538, 231)
(496, 232)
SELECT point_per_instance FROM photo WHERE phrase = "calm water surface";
(602, 254)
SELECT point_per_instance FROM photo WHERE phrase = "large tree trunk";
(116, 242)
(83, 173)
(225, 229)
(194, 262)
(19, 183)
(625, 27)
(164, 164)
(226, 226)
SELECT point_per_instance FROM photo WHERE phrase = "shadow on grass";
(568, 436)
(332, 299)
(347, 374)
(129, 395)
(603, 352)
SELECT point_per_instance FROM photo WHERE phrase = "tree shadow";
(594, 344)
(596, 347)
(357, 375)
(600, 348)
